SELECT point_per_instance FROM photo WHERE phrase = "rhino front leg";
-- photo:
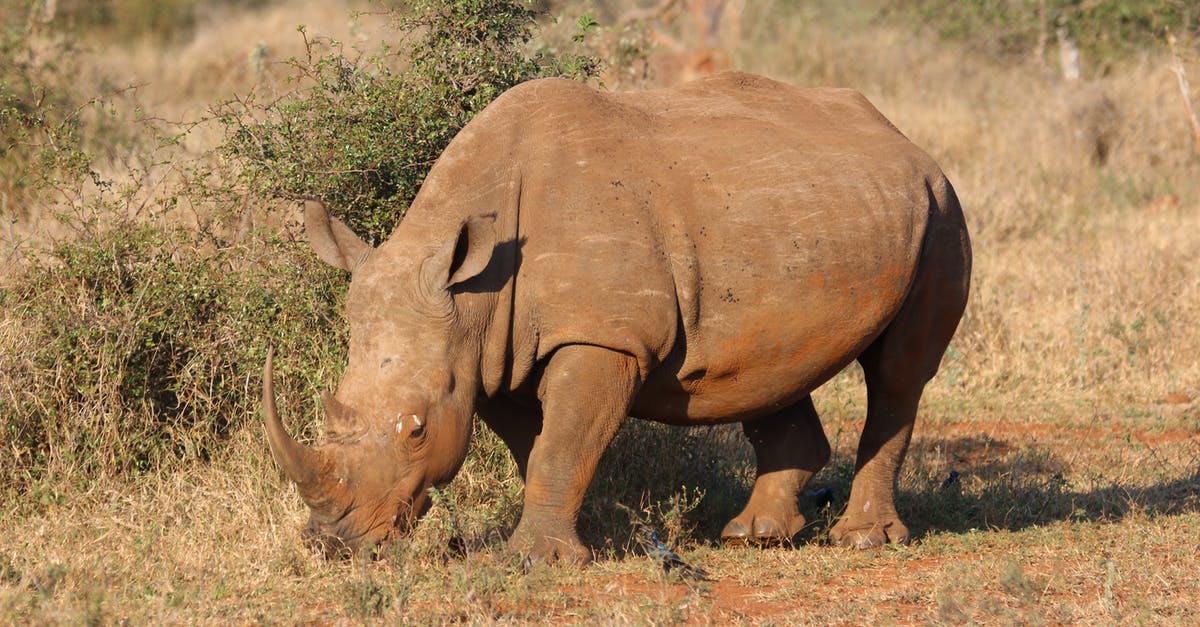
(790, 447)
(586, 392)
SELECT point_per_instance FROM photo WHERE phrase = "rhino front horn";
(300, 463)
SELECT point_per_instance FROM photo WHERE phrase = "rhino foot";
(766, 528)
(868, 534)
(549, 548)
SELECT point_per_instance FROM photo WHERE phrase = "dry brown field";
(1068, 403)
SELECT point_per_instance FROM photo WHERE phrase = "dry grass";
(1084, 283)
(232, 52)
(1078, 495)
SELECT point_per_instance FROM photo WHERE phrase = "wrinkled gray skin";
(698, 255)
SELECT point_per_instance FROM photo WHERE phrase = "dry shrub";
(124, 20)
(139, 347)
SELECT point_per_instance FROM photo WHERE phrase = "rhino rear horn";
(340, 422)
(332, 240)
(301, 464)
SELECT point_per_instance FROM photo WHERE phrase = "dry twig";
(1185, 90)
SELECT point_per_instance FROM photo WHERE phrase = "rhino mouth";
(345, 543)
(343, 539)
(328, 546)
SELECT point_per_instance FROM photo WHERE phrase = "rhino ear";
(466, 256)
(333, 241)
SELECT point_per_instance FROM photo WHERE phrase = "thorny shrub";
(47, 128)
(142, 347)
(361, 129)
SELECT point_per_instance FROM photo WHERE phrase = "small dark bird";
(669, 559)
(822, 497)
(950, 480)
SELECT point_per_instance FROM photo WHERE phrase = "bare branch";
(1185, 90)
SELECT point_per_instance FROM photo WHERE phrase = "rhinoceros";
(698, 255)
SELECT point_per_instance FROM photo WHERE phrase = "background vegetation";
(147, 154)
(1105, 28)
(362, 128)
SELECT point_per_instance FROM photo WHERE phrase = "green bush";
(362, 129)
(142, 348)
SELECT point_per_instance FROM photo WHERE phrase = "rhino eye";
(386, 361)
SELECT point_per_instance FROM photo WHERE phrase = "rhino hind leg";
(790, 447)
(870, 519)
(586, 392)
(896, 368)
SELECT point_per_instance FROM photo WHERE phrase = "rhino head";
(400, 420)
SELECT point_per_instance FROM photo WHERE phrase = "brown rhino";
(698, 255)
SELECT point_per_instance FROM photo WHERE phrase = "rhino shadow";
(1024, 485)
(497, 273)
(654, 468)
(683, 480)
